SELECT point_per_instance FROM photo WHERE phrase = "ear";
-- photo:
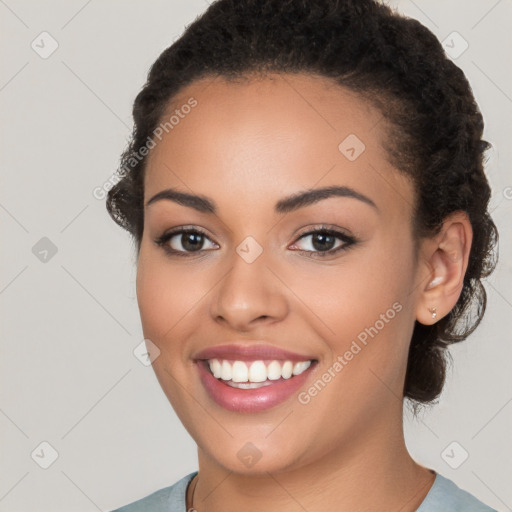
(443, 264)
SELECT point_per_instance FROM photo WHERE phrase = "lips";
(251, 353)
(236, 395)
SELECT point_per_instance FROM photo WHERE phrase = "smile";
(256, 371)
(252, 386)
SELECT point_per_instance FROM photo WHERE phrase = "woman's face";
(252, 273)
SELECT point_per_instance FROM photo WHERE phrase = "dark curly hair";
(391, 61)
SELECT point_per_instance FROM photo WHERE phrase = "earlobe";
(446, 267)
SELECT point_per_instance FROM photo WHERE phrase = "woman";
(306, 192)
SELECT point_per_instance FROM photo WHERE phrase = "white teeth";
(274, 370)
(256, 372)
(287, 370)
(216, 368)
(240, 372)
(225, 372)
(300, 367)
(248, 385)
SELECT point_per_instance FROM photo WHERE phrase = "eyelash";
(347, 239)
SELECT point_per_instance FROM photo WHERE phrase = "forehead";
(262, 138)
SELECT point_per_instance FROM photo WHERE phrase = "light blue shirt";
(444, 496)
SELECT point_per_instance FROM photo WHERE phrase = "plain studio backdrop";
(84, 424)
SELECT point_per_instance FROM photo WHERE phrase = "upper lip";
(244, 352)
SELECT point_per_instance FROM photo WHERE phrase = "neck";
(373, 471)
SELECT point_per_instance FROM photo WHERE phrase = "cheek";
(361, 308)
(354, 293)
(166, 306)
(165, 295)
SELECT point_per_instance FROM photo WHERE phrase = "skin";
(246, 145)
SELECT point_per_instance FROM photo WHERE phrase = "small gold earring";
(433, 311)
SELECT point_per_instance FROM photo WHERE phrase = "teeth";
(287, 370)
(225, 371)
(300, 367)
(255, 372)
(274, 370)
(248, 385)
(216, 368)
(240, 372)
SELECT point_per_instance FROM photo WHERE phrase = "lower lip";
(251, 400)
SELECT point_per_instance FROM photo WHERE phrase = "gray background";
(70, 320)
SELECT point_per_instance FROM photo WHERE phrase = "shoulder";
(447, 496)
(168, 499)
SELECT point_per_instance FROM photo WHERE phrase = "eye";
(324, 242)
(184, 241)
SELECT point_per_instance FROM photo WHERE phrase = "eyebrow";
(288, 204)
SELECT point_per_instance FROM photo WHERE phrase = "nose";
(249, 295)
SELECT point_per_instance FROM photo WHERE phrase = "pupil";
(324, 239)
(192, 241)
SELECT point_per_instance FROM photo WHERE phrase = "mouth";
(253, 385)
(255, 374)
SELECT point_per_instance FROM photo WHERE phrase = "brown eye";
(324, 242)
(189, 241)
(183, 242)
